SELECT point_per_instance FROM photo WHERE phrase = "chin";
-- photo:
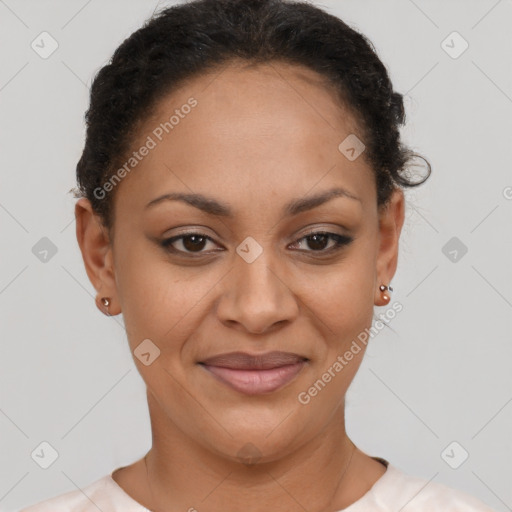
(252, 445)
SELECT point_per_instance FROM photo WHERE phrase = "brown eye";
(318, 241)
(191, 243)
(194, 242)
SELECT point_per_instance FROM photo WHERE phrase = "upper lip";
(245, 361)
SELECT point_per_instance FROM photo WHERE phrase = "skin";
(258, 138)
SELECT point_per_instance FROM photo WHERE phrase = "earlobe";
(95, 246)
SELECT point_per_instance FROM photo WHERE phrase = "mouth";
(255, 374)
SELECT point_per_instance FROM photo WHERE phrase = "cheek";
(343, 297)
(155, 299)
(341, 309)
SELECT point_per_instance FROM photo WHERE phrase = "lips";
(255, 374)
(244, 361)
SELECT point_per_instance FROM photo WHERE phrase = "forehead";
(255, 89)
(252, 131)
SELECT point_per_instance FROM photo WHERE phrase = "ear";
(391, 219)
(96, 249)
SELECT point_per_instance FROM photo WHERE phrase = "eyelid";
(319, 229)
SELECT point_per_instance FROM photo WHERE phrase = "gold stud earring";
(384, 288)
(106, 303)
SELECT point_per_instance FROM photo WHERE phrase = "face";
(238, 267)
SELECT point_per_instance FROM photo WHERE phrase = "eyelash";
(341, 241)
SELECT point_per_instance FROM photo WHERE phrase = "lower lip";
(256, 382)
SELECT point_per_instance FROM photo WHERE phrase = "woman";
(241, 202)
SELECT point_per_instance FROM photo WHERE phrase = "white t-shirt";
(390, 493)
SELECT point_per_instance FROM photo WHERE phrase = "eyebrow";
(211, 206)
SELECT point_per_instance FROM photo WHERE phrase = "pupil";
(315, 238)
(194, 245)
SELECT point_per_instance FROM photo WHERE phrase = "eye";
(195, 242)
(191, 242)
(318, 240)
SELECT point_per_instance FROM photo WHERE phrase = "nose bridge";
(256, 269)
(257, 294)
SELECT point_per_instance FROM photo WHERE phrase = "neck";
(323, 473)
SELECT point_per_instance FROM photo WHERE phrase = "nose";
(258, 296)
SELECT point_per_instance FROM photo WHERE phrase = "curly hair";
(186, 40)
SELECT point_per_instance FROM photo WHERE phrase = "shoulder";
(88, 499)
(421, 495)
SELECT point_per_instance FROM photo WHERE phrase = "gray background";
(66, 375)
